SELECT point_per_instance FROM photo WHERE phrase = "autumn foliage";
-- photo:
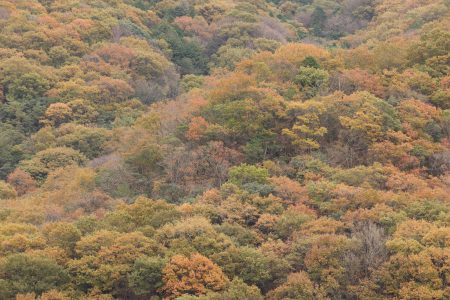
(192, 275)
(224, 150)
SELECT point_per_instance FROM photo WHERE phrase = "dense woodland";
(224, 149)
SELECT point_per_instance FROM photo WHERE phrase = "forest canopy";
(224, 149)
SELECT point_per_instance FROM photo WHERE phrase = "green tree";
(43, 162)
(64, 235)
(23, 274)
(244, 174)
(311, 81)
(247, 263)
(28, 87)
(10, 152)
(146, 277)
(318, 19)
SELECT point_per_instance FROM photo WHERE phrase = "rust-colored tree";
(195, 275)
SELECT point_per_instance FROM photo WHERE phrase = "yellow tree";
(307, 130)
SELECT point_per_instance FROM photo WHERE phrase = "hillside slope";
(218, 150)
